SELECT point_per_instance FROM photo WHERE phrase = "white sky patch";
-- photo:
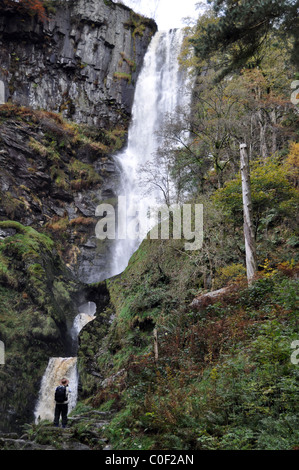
(168, 14)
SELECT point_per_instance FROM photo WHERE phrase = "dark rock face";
(83, 62)
(53, 180)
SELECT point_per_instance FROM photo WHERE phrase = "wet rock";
(83, 62)
(74, 445)
(7, 233)
(22, 444)
(31, 192)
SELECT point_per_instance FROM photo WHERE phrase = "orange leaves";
(289, 268)
(33, 7)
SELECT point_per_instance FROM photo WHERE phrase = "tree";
(292, 164)
(170, 173)
(250, 249)
(264, 94)
(155, 177)
(214, 125)
(252, 105)
(273, 197)
(242, 28)
(31, 7)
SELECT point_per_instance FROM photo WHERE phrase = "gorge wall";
(83, 61)
(54, 170)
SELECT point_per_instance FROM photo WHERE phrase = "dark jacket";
(67, 389)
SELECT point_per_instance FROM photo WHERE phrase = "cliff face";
(54, 171)
(83, 61)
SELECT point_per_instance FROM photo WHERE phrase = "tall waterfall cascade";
(161, 89)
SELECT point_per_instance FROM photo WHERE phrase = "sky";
(167, 13)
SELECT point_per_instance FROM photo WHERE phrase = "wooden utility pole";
(250, 248)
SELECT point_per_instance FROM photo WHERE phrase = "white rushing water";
(161, 88)
(58, 368)
(86, 315)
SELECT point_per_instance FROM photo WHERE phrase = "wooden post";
(250, 249)
(156, 345)
(2, 353)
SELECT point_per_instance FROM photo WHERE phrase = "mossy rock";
(37, 302)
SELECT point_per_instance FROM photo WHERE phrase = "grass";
(32, 254)
(83, 175)
(123, 76)
(60, 133)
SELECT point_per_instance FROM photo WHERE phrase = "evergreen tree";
(243, 27)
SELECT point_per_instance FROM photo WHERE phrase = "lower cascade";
(60, 367)
(86, 315)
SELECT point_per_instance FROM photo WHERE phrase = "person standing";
(61, 403)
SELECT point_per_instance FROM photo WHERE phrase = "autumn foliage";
(31, 7)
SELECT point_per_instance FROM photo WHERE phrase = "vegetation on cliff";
(29, 7)
(224, 377)
(45, 162)
(241, 30)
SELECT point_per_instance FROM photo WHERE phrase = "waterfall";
(60, 367)
(86, 315)
(160, 90)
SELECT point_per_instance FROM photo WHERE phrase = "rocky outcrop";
(38, 303)
(54, 174)
(40, 299)
(83, 61)
(85, 431)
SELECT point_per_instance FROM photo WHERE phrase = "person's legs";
(57, 414)
(64, 410)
